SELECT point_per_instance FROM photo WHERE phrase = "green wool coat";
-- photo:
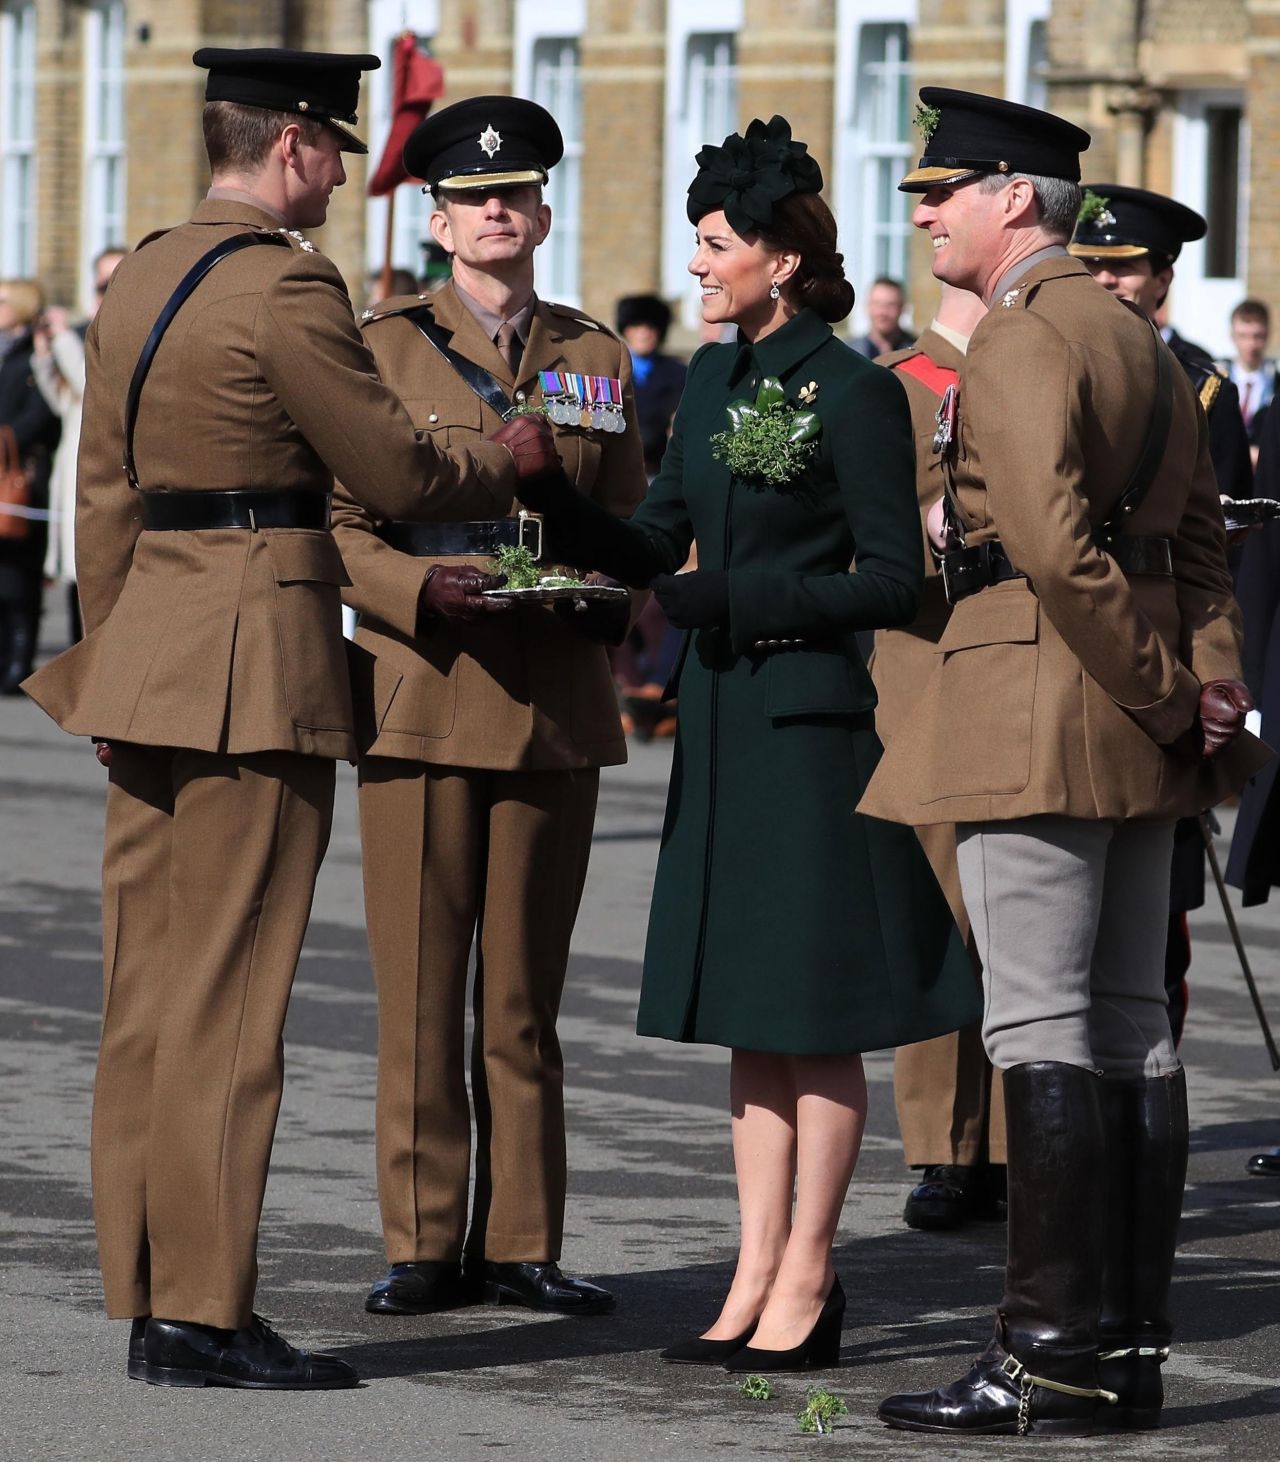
(783, 920)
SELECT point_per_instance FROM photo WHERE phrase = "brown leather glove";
(1223, 707)
(456, 593)
(528, 439)
(102, 750)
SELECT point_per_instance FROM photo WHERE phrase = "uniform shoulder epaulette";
(578, 317)
(892, 359)
(1209, 389)
(297, 240)
(396, 304)
(150, 238)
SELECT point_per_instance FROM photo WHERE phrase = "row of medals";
(583, 401)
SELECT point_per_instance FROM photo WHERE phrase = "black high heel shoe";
(700, 1352)
(819, 1350)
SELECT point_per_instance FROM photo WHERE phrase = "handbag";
(15, 488)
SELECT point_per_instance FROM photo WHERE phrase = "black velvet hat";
(484, 142)
(967, 136)
(311, 83)
(1128, 223)
(644, 309)
(749, 173)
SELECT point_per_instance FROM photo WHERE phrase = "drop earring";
(774, 291)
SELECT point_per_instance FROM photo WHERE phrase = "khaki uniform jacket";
(521, 690)
(230, 640)
(903, 659)
(1057, 693)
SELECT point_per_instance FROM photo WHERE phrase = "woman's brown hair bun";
(804, 223)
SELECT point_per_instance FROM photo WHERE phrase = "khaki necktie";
(509, 347)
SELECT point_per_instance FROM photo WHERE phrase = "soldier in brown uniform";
(949, 1099)
(1086, 694)
(478, 788)
(214, 667)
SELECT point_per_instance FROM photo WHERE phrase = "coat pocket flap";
(817, 683)
(307, 555)
(994, 617)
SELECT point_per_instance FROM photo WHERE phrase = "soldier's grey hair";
(1058, 199)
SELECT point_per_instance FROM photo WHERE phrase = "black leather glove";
(605, 621)
(1223, 707)
(693, 601)
(456, 593)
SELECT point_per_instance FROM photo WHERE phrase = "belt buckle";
(526, 519)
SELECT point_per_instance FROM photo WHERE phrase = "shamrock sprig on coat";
(770, 441)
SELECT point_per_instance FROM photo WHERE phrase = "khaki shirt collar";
(230, 205)
(491, 322)
(958, 342)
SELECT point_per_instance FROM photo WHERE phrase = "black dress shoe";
(997, 1397)
(1265, 1164)
(700, 1352)
(942, 1199)
(538, 1287)
(421, 1287)
(179, 1353)
(820, 1350)
(136, 1369)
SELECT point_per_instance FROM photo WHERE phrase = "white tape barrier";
(43, 515)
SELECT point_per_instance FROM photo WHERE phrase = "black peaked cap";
(968, 135)
(1129, 223)
(484, 142)
(311, 83)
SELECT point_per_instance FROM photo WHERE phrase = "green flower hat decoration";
(926, 120)
(748, 175)
(770, 441)
(1094, 208)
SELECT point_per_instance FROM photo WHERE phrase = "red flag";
(418, 79)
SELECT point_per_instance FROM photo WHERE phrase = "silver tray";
(550, 594)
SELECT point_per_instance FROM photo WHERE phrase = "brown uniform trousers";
(214, 663)
(477, 800)
(950, 1101)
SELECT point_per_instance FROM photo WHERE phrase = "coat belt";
(170, 511)
(969, 570)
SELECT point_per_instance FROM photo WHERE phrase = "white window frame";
(560, 262)
(387, 20)
(1019, 18)
(18, 138)
(1200, 308)
(104, 156)
(849, 151)
(684, 23)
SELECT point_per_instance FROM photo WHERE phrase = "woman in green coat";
(784, 924)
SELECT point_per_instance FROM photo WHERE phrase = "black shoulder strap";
(475, 376)
(176, 300)
(1149, 459)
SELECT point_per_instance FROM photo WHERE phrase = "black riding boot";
(1040, 1373)
(1146, 1120)
(20, 650)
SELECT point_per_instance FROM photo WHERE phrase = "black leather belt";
(464, 540)
(176, 511)
(966, 571)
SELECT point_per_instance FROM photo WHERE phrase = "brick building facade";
(100, 136)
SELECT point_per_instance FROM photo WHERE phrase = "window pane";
(17, 136)
(884, 148)
(557, 85)
(1222, 127)
(711, 90)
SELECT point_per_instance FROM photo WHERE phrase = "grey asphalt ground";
(651, 1208)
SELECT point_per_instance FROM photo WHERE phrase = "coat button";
(433, 418)
(519, 395)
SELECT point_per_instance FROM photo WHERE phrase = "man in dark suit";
(643, 321)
